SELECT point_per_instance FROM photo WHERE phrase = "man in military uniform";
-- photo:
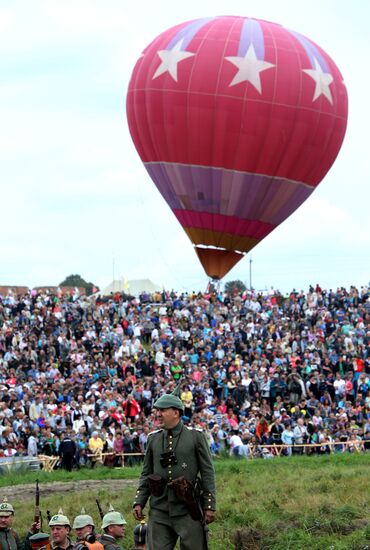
(113, 526)
(85, 533)
(175, 456)
(60, 529)
(84, 526)
(9, 539)
(39, 541)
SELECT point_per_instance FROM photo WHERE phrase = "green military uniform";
(70, 546)
(9, 539)
(111, 518)
(62, 520)
(109, 542)
(169, 517)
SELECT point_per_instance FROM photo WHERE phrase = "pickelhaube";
(83, 520)
(6, 509)
(170, 400)
(113, 518)
(59, 519)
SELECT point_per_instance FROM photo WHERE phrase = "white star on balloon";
(322, 81)
(170, 59)
(249, 68)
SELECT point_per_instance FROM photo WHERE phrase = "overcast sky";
(75, 197)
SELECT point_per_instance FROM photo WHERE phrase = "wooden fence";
(253, 451)
(342, 446)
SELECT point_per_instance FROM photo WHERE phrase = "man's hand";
(35, 527)
(209, 516)
(138, 512)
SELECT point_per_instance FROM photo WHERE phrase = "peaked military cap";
(170, 400)
(39, 537)
(40, 541)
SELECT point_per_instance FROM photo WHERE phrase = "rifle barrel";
(37, 494)
(101, 513)
(37, 516)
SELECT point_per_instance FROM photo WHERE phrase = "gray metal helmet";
(83, 520)
(6, 509)
(59, 519)
(113, 518)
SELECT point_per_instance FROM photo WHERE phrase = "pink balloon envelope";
(237, 121)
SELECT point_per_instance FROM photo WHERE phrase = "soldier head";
(169, 408)
(60, 528)
(140, 535)
(114, 524)
(6, 515)
(84, 525)
(40, 541)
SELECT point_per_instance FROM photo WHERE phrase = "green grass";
(23, 476)
(318, 503)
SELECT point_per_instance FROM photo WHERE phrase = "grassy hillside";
(289, 503)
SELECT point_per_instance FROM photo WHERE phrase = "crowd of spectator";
(79, 375)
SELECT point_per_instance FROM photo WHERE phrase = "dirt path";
(46, 489)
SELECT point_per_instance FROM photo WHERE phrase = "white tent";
(133, 287)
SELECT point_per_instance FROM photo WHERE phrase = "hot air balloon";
(237, 121)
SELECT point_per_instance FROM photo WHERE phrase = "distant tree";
(77, 280)
(232, 287)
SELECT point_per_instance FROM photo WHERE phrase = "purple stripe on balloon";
(187, 33)
(251, 34)
(227, 192)
(224, 224)
(311, 50)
